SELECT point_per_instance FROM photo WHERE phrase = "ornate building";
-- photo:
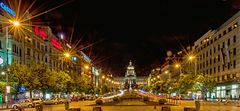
(130, 77)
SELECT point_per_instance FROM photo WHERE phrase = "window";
(223, 45)
(34, 42)
(218, 58)
(224, 32)
(28, 51)
(218, 47)
(214, 49)
(210, 52)
(0, 43)
(1, 28)
(229, 29)
(210, 71)
(235, 25)
(214, 60)
(20, 52)
(219, 36)
(214, 70)
(210, 61)
(234, 38)
(228, 65)
(46, 59)
(228, 42)
(218, 68)
(207, 54)
(234, 51)
(234, 64)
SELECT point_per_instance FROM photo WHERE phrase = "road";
(205, 106)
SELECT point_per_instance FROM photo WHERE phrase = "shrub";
(115, 99)
(162, 101)
(145, 98)
(99, 102)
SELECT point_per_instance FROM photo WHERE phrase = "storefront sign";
(55, 43)
(7, 9)
(40, 32)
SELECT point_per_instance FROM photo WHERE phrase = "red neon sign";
(55, 43)
(40, 32)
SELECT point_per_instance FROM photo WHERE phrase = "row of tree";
(185, 83)
(40, 77)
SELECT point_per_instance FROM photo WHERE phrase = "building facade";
(218, 54)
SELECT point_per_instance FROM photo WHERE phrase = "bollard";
(66, 105)
(39, 107)
(97, 108)
(197, 105)
(166, 108)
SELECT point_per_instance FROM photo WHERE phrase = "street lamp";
(14, 24)
(178, 66)
(191, 58)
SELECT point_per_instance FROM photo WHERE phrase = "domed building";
(130, 79)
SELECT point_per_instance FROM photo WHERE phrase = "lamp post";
(178, 66)
(15, 24)
(191, 58)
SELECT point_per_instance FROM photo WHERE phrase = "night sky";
(137, 31)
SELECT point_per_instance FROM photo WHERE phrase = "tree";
(185, 83)
(204, 83)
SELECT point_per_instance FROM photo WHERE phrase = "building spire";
(130, 63)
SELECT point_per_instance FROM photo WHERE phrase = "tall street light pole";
(193, 58)
(15, 24)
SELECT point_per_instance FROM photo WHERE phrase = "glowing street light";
(86, 67)
(191, 58)
(67, 55)
(103, 77)
(177, 65)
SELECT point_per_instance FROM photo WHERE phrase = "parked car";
(23, 103)
(50, 101)
(60, 100)
(36, 101)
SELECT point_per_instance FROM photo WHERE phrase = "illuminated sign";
(55, 43)
(7, 9)
(40, 32)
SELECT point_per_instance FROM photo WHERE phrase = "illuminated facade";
(218, 54)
